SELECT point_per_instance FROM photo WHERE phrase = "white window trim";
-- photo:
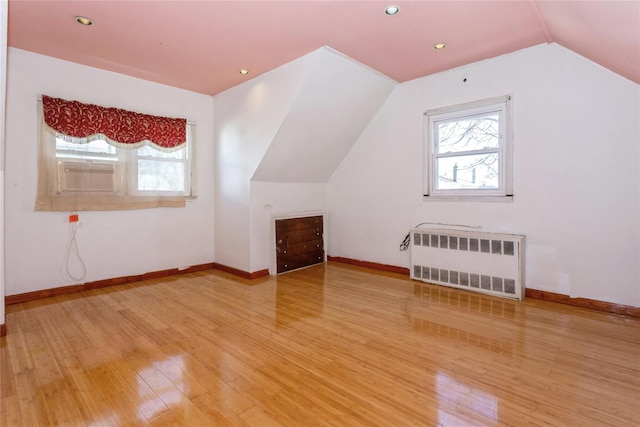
(505, 191)
(188, 178)
(128, 160)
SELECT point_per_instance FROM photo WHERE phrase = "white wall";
(113, 243)
(337, 100)
(576, 179)
(3, 81)
(247, 117)
(292, 125)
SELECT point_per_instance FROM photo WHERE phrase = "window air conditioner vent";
(88, 176)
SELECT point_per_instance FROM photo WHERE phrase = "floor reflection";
(496, 345)
(156, 393)
(468, 301)
(459, 394)
(107, 421)
(117, 393)
(299, 299)
(492, 330)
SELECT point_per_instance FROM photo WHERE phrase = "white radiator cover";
(489, 263)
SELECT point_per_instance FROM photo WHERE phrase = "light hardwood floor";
(331, 345)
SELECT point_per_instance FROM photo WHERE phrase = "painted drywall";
(111, 243)
(576, 173)
(290, 126)
(338, 98)
(246, 119)
(3, 92)
(271, 200)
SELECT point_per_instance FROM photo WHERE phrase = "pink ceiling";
(201, 45)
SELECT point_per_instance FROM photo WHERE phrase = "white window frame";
(187, 161)
(128, 161)
(504, 192)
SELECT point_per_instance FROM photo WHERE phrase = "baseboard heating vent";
(489, 263)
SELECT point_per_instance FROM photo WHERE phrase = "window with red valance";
(120, 127)
(101, 158)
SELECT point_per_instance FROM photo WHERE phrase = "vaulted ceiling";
(202, 45)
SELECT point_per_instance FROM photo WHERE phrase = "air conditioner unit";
(89, 177)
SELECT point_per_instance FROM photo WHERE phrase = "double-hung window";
(98, 158)
(469, 151)
(100, 167)
(159, 172)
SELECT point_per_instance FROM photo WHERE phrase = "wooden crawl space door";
(299, 242)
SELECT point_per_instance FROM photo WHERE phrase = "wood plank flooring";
(330, 345)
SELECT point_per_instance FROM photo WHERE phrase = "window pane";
(471, 133)
(69, 149)
(149, 150)
(467, 172)
(156, 175)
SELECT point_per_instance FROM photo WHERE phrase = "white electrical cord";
(479, 227)
(407, 239)
(73, 246)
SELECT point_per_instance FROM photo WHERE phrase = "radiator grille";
(489, 263)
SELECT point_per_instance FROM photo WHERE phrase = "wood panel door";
(299, 242)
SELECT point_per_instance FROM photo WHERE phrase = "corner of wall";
(3, 90)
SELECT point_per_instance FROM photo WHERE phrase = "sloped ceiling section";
(604, 32)
(336, 102)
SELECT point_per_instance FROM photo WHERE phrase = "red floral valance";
(78, 120)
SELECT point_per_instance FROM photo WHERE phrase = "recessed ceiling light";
(244, 72)
(392, 10)
(439, 46)
(83, 20)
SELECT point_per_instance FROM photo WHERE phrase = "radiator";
(488, 263)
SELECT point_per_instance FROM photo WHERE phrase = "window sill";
(491, 199)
